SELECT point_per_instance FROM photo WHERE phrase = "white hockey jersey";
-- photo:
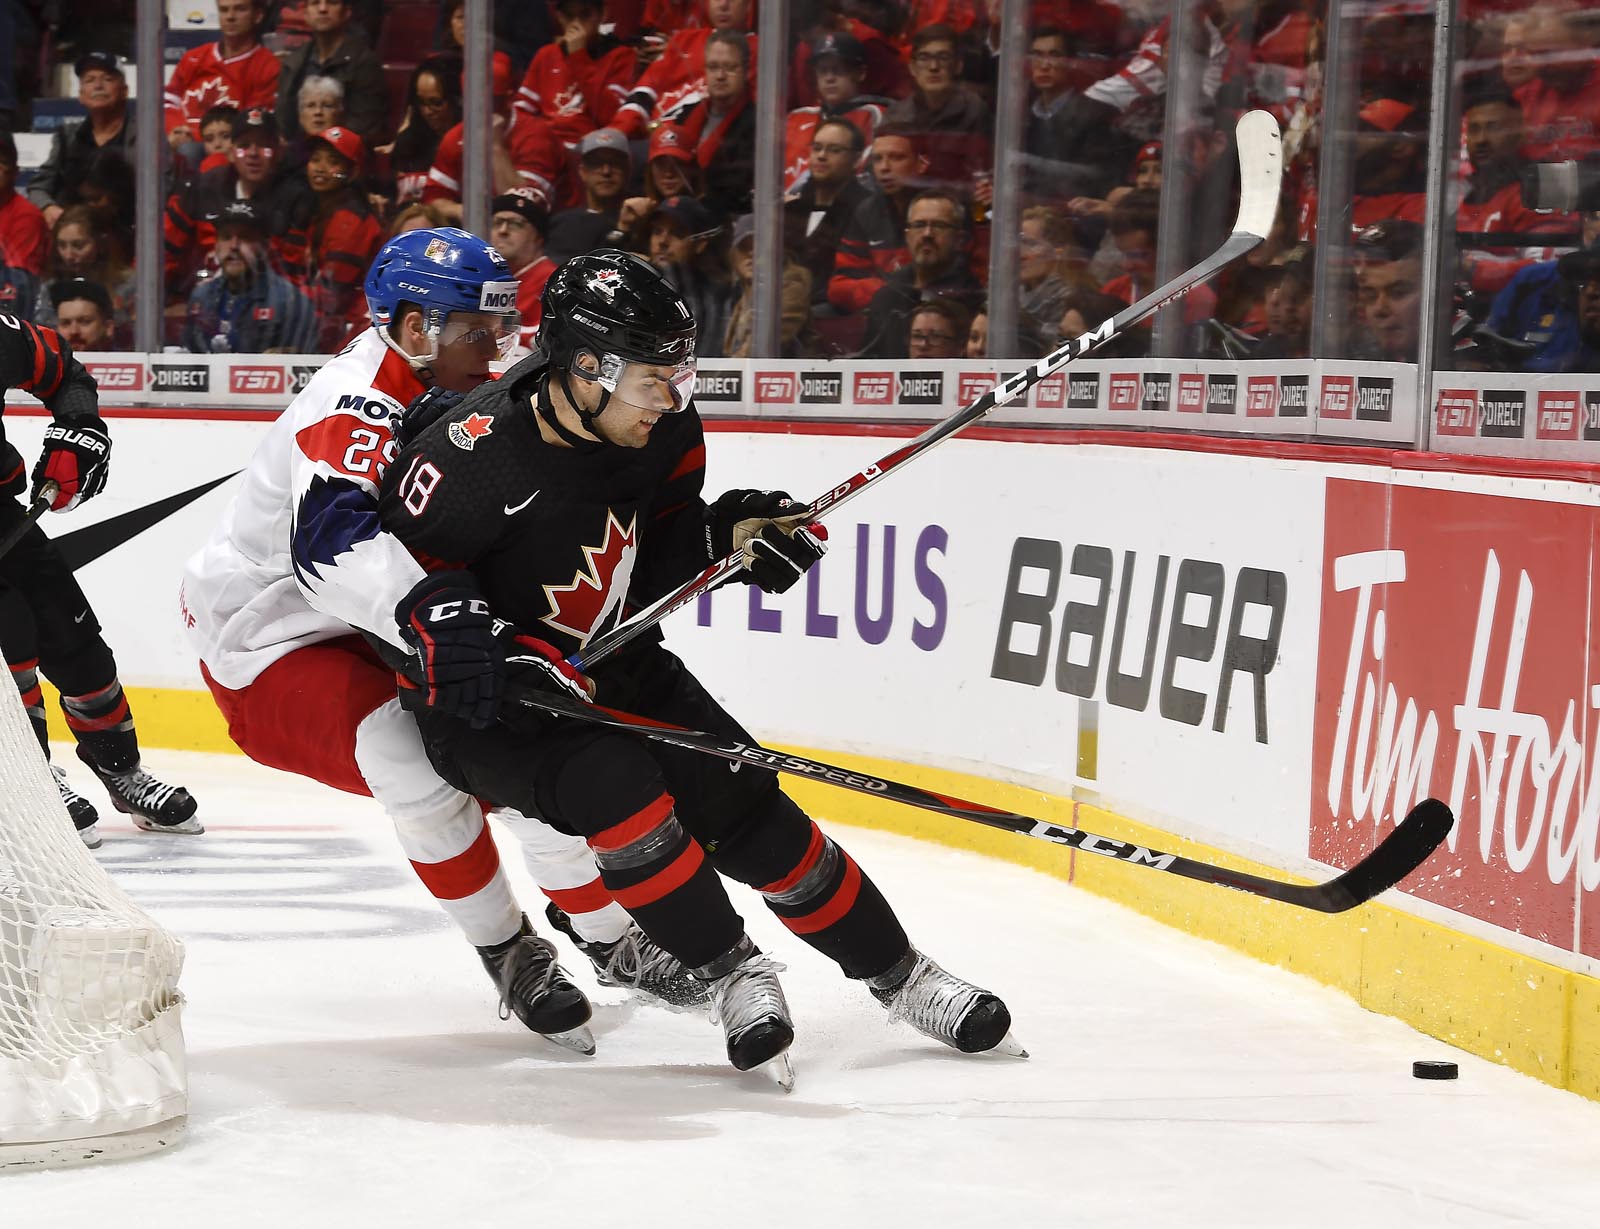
(298, 556)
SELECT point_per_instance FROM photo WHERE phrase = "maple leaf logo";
(595, 595)
(471, 429)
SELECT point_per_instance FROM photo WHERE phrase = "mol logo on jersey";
(247, 380)
(594, 597)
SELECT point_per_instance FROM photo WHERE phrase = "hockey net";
(91, 1040)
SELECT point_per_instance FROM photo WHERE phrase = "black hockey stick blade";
(1410, 845)
(1400, 853)
(35, 510)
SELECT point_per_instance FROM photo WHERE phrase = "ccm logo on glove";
(76, 458)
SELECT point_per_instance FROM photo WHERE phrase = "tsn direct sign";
(255, 380)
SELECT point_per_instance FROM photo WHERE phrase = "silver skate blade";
(781, 1070)
(189, 827)
(1010, 1047)
(579, 1039)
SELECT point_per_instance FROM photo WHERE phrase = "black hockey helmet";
(612, 302)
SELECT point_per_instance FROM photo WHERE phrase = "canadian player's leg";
(756, 834)
(20, 642)
(73, 655)
(608, 788)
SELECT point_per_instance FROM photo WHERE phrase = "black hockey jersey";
(39, 361)
(564, 541)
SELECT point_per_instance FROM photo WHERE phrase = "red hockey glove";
(77, 457)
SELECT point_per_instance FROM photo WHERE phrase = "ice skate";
(84, 817)
(748, 1002)
(942, 1006)
(153, 805)
(636, 962)
(535, 989)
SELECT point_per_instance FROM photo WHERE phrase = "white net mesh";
(91, 1043)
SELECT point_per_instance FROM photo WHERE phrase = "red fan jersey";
(577, 92)
(676, 80)
(203, 79)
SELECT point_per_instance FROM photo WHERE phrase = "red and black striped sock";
(26, 676)
(102, 723)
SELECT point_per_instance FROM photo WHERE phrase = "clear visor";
(663, 387)
(475, 328)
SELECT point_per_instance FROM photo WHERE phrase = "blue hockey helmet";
(442, 270)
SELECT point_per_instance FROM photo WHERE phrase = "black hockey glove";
(447, 623)
(76, 458)
(769, 527)
(426, 408)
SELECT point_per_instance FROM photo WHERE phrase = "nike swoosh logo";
(83, 546)
(510, 511)
(81, 617)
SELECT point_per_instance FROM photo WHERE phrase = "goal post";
(91, 1035)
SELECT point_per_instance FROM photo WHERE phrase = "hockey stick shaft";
(1395, 857)
(36, 509)
(1260, 172)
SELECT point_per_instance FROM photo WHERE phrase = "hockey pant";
(328, 711)
(663, 821)
(48, 628)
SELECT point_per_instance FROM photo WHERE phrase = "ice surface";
(348, 1069)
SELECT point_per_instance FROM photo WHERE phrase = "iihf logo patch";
(471, 429)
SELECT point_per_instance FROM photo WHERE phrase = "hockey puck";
(1434, 1069)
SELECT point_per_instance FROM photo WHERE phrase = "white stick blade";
(1260, 172)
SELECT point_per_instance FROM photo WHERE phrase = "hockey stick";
(1260, 170)
(1397, 855)
(36, 509)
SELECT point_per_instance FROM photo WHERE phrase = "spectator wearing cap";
(874, 241)
(1492, 120)
(577, 82)
(1561, 102)
(671, 169)
(83, 313)
(739, 336)
(517, 230)
(103, 91)
(251, 174)
(331, 235)
(678, 76)
(940, 240)
(339, 50)
(721, 127)
(84, 247)
(247, 308)
(236, 71)
(604, 165)
(951, 122)
(873, 26)
(1538, 307)
(1391, 156)
(840, 65)
(1389, 290)
(24, 235)
(523, 152)
(433, 107)
(684, 246)
(828, 198)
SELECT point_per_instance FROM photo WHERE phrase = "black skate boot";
(636, 962)
(942, 1006)
(748, 1002)
(84, 816)
(535, 989)
(154, 806)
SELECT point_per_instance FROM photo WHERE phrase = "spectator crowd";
(308, 131)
